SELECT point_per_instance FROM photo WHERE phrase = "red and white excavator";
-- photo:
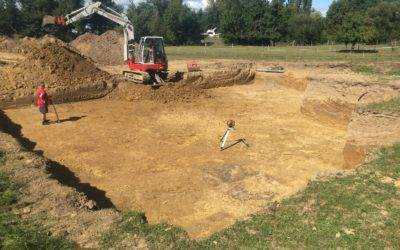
(147, 60)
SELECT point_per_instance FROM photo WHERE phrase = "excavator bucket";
(47, 20)
(53, 20)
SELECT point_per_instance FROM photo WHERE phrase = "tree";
(383, 21)
(99, 24)
(352, 30)
(300, 6)
(142, 16)
(32, 12)
(232, 21)
(276, 21)
(306, 29)
(212, 14)
(172, 22)
(9, 17)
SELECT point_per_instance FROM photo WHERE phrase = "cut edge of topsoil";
(347, 112)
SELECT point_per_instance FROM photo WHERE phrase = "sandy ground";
(164, 159)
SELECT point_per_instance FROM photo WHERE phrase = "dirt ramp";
(222, 75)
(68, 76)
(333, 103)
(369, 130)
(105, 49)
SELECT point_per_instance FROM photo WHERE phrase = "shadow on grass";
(57, 171)
(358, 51)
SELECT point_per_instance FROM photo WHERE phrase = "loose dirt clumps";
(165, 94)
(105, 49)
(193, 86)
(26, 44)
(68, 75)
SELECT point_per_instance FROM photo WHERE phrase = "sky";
(320, 5)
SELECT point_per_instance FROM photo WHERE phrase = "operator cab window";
(153, 50)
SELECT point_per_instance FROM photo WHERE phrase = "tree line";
(258, 22)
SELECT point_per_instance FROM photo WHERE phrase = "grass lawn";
(21, 234)
(278, 53)
(354, 210)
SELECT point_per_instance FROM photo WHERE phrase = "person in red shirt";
(43, 100)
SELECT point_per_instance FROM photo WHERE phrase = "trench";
(164, 159)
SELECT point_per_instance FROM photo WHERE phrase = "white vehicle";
(211, 33)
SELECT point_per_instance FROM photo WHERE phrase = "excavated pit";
(157, 150)
(163, 158)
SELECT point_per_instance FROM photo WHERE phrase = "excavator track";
(154, 79)
(139, 77)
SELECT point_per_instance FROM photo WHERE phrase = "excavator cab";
(150, 62)
(152, 50)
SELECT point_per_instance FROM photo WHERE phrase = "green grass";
(280, 53)
(157, 236)
(16, 233)
(390, 106)
(366, 70)
(395, 72)
(357, 210)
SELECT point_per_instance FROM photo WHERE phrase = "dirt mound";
(165, 94)
(68, 75)
(7, 44)
(221, 76)
(105, 49)
(26, 44)
(193, 85)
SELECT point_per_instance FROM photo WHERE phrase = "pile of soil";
(193, 86)
(179, 92)
(26, 44)
(221, 75)
(106, 49)
(67, 75)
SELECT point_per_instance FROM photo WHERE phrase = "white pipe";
(225, 137)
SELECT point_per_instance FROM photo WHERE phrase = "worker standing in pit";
(43, 100)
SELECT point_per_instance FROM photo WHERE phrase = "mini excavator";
(147, 61)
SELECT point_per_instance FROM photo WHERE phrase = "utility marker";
(231, 126)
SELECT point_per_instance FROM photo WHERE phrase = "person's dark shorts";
(43, 109)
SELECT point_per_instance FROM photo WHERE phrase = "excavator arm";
(106, 12)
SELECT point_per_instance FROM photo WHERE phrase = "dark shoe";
(45, 122)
